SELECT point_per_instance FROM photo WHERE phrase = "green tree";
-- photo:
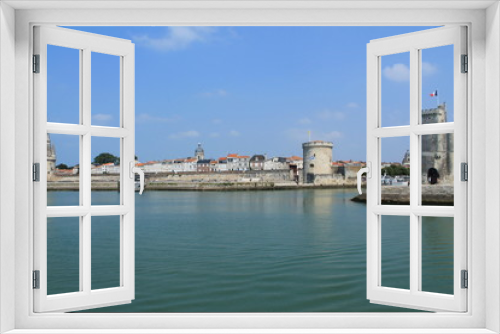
(105, 158)
(395, 170)
(62, 166)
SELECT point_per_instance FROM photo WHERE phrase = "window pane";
(106, 171)
(395, 89)
(63, 170)
(105, 89)
(395, 251)
(437, 169)
(437, 84)
(437, 254)
(63, 85)
(395, 171)
(105, 252)
(63, 255)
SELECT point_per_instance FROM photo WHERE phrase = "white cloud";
(332, 135)
(352, 105)
(397, 72)
(149, 118)
(428, 68)
(214, 93)
(102, 117)
(328, 114)
(304, 121)
(234, 133)
(176, 38)
(214, 134)
(185, 134)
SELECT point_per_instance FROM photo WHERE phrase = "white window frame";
(86, 44)
(414, 43)
(484, 212)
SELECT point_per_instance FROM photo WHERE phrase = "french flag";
(434, 93)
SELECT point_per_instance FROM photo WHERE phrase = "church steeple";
(199, 153)
(51, 156)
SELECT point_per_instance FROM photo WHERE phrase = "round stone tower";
(317, 159)
(199, 153)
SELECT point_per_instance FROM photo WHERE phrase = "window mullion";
(85, 173)
(414, 163)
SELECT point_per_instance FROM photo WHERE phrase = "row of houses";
(108, 168)
(231, 162)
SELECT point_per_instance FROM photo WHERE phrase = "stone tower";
(51, 157)
(406, 159)
(199, 153)
(317, 159)
(437, 150)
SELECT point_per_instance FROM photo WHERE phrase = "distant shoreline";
(194, 186)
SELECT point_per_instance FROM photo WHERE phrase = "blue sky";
(244, 90)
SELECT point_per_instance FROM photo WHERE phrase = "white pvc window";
(50, 222)
(436, 143)
(86, 297)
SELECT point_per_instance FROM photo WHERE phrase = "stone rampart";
(400, 195)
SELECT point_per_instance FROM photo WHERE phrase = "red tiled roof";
(232, 155)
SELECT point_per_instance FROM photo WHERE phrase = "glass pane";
(395, 89)
(437, 169)
(105, 252)
(63, 255)
(395, 171)
(437, 84)
(437, 254)
(106, 170)
(105, 89)
(63, 85)
(63, 165)
(395, 251)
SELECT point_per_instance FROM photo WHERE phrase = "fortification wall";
(284, 175)
(333, 180)
(231, 176)
(432, 195)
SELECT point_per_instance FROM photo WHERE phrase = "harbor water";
(247, 251)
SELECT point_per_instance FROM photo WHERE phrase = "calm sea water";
(256, 251)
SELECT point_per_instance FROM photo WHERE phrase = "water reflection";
(261, 251)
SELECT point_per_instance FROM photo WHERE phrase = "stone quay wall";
(431, 195)
(282, 175)
(231, 180)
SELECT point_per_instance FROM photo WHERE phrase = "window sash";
(86, 297)
(413, 43)
(419, 15)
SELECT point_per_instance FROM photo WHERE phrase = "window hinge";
(465, 64)
(36, 279)
(464, 169)
(36, 63)
(36, 172)
(465, 279)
